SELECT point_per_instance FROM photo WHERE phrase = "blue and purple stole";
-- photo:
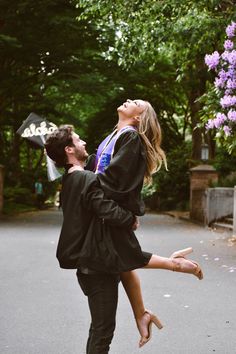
(106, 149)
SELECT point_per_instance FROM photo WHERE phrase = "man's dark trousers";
(102, 292)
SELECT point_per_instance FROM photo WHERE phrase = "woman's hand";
(136, 224)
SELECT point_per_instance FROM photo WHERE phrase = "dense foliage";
(176, 180)
(75, 61)
(180, 31)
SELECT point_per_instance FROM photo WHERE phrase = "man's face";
(79, 148)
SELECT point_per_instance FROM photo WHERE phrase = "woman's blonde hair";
(150, 132)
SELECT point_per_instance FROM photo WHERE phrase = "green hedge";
(170, 189)
(19, 194)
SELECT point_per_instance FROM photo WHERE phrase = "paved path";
(43, 310)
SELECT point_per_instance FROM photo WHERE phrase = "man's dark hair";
(56, 143)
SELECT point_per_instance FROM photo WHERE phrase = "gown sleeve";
(108, 210)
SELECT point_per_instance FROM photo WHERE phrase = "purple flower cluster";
(212, 60)
(227, 101)
(232, 115)
(227, 130)
(217, 122)
(225, 83)
(228, 45)
(230, 30)
(229, 57)
(231, 84)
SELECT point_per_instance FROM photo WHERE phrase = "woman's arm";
(128, 164)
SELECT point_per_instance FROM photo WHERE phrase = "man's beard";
(81, 155)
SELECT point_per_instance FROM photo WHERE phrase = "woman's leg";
(177, 263)
(131, 282)
(132, 286)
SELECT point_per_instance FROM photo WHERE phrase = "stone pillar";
(200, 178)
(234, 215)
(1, 187)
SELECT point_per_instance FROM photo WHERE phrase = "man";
(79, 247)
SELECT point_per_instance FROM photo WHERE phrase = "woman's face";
(132, 108)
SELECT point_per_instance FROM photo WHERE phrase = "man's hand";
(136, 224)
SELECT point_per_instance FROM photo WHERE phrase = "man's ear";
(69, 149)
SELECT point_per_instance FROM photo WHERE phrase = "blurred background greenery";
(74, 62)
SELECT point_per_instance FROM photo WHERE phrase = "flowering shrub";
(225, 86)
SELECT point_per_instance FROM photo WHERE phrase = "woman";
(127, 157)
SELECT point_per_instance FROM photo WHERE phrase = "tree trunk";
(196, 131)
(14, 167)
(209, 138)
(197, 75)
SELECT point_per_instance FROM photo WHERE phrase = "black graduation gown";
(122, 180)
(96, 232)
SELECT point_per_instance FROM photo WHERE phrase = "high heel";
(197, 271)
(153, 319)
(182, 253)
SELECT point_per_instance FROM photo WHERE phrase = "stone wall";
(201, 177)
(1, 187)
(219, 203)
(234, 214)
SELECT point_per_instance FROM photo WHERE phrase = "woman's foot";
(144, 325)
(183, 265)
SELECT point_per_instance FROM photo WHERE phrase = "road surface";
(43, 310)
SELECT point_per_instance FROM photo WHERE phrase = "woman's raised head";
(131, 109)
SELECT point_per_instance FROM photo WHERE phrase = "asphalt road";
(43, 310)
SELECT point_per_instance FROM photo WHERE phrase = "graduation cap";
(36, 129)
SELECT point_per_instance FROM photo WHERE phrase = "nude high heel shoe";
(197, 271)
(153, 319)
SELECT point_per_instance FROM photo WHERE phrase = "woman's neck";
(123, 123)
